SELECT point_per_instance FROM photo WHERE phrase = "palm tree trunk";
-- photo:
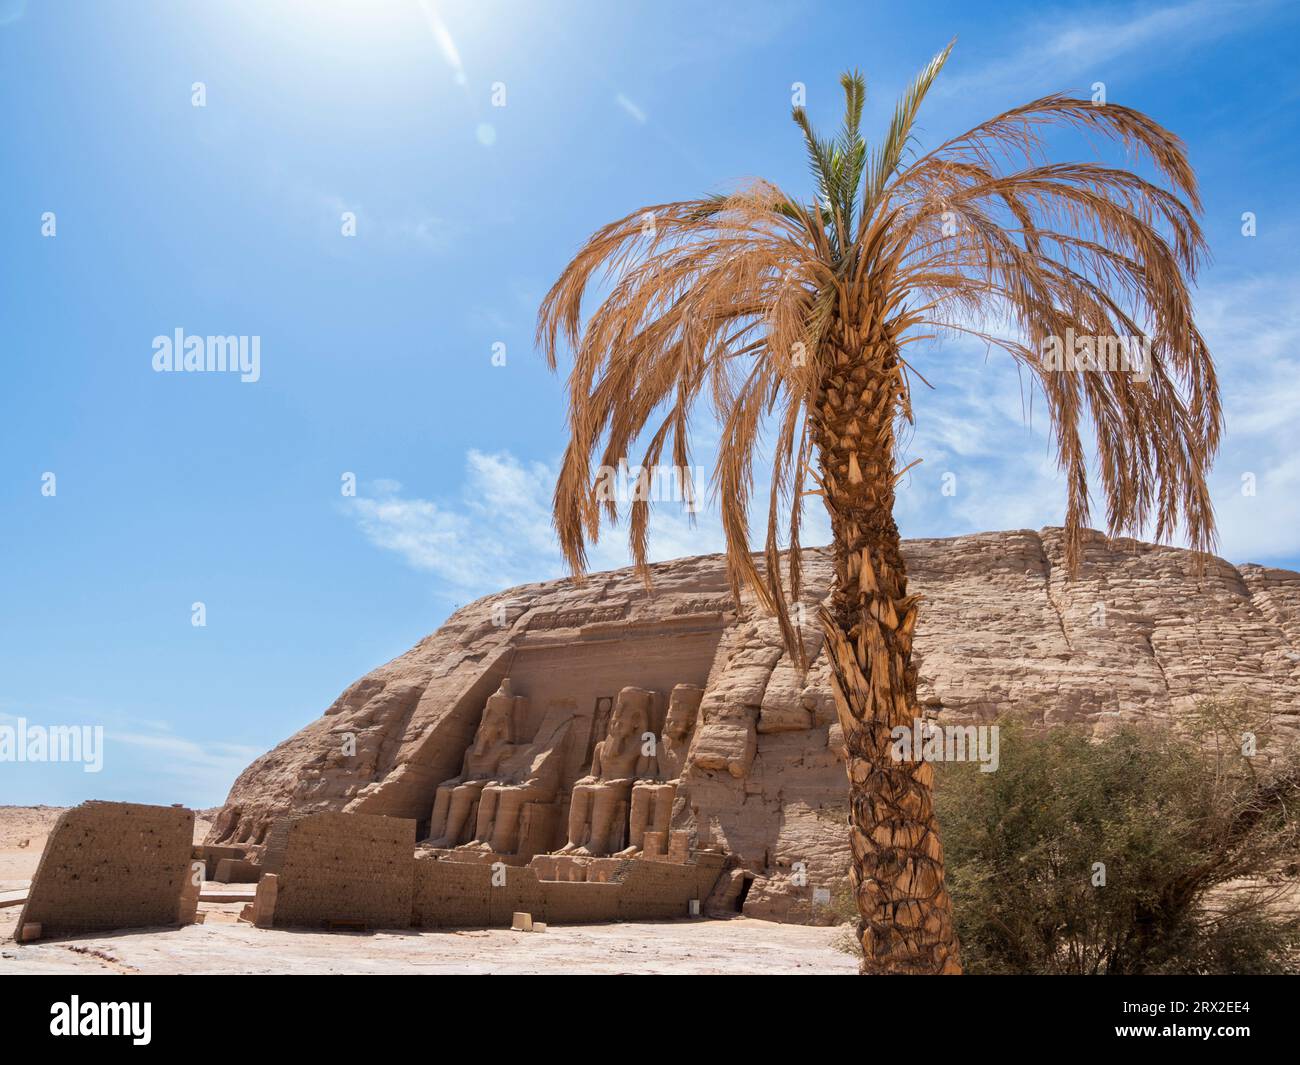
(897, 873)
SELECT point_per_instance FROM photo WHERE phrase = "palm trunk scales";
(897, 861)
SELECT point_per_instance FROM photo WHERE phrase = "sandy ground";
(222, 944)
(22, 838)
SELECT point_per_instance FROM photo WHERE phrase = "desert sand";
(225, 945)
(23, 830)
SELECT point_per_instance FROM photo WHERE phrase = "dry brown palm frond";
(730, 300)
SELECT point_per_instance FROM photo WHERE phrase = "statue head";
(631, 716)
(683, 707)
(497, 724)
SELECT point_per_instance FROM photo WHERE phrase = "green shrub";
(1188, 834)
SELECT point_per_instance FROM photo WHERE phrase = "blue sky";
(376, 349)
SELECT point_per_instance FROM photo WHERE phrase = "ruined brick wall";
(653, 891)
(347, 867)
(111, 865)
(451, 895)
(579, 902)
(462, 895)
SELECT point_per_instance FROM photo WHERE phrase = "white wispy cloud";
(1253, 328)
(1058, 49)
(497, 530)
(1006, 476)
(210, 763)
(195, 771)
(987, 464)
(632, 109)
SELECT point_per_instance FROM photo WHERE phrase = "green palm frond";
(837, 165)
(885, 159)
(851, 149)
(821, 153)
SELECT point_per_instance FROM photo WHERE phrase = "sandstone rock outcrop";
(1138, 633)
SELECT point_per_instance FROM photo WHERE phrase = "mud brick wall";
(111, 865)
(522, 891)
(452, 894)
(462, 895)
(661, 890)
(577, 902)
(347, 867)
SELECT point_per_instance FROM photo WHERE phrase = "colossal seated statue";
(493, 743)
(652, 800)
(599, 811)
(527, 784)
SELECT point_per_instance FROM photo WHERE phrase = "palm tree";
(794, 316)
